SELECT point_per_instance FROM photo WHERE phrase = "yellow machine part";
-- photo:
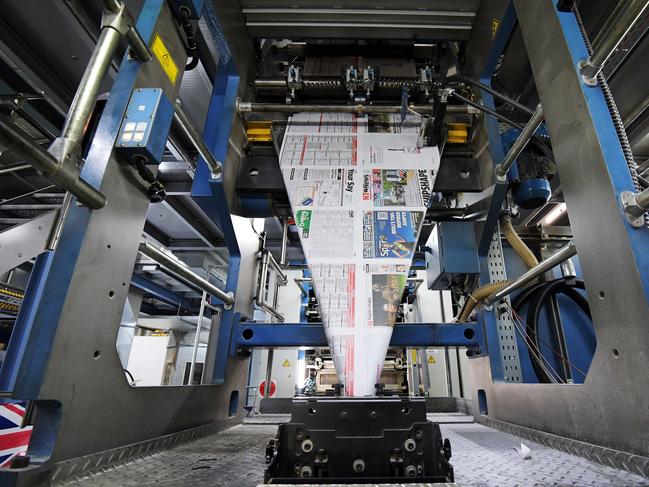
(259, 132)
(458, 133)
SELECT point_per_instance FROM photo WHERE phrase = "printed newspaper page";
(358, 188)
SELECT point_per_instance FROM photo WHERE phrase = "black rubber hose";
(495, 93)
(538, 295)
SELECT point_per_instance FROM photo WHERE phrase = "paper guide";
(359, 188)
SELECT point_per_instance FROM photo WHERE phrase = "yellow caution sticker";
(164, 58)
(495, 24)
(431, 359)
(286, 363)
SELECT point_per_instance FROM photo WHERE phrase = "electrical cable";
(549, 346)
(537, 296)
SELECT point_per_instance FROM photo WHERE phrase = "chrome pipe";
(519, 144)
(86, 95)
(616, 27)
(186, 127)
(184, 273)
(566, 252)
(14, 168)
(199, 325)
(66, 176)
(253, 107)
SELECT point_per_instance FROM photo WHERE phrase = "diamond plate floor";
(482, 457)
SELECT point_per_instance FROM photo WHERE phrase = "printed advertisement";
(320, 187)
(390, 234)
(397, 187)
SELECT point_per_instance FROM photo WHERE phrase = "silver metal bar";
(139, 49)
(181, 271)
(14, 168)
(528, 131)
(55, 236)
(65, 176)
(260, 299)
(353, 11)
(359, 25)
(112, 5)
(84, 99)
(252, 107)
(276, 267)
(618, 24)
(199, 325)
(184, 124)
(562, 255)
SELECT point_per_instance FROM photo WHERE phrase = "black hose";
(495, 93)
(191, 40)
(538, 294)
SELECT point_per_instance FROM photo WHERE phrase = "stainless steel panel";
(24, 242)
(609, 409)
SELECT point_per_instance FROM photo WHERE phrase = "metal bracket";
(633, 212)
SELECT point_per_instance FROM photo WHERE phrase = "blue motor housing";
(531, 193)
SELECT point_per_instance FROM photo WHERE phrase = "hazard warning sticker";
(164, 57)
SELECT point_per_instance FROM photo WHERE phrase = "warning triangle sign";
(286, 363)
(431, 359)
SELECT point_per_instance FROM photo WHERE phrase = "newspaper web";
(359, 188)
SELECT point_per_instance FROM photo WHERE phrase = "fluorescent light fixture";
(554, 214)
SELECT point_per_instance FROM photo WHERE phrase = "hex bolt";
(307, 446)
(359, 465)
(306, 472)
(410, 444)
(411, 471)
(373, 415)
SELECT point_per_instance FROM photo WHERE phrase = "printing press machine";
(514, 95)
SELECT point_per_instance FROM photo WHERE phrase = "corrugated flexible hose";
(483, 292)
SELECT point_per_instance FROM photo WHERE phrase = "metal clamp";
(635, 206)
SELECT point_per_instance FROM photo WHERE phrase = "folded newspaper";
(359, 188)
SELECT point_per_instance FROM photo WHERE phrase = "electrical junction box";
(146, 125)
(453, 253)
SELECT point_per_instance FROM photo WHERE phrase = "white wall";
(146, 361)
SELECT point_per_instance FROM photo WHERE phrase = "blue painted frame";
(210, 195)
(251, 335)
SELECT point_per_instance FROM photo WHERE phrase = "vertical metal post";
(271, 351)
(199, 325)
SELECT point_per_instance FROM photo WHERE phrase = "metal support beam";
(252, 107)
(180, 270)
(162, 293)
(251, 335)
(558, 258)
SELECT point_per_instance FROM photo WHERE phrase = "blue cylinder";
(532, 193)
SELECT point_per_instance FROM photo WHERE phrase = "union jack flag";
(13, 439)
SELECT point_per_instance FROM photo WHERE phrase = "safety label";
(163, 56)
(286, 363)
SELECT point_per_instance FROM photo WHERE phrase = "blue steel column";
(210, 194)
(29, 347)
(488, 318)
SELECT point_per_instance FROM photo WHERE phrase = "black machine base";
(347, 440)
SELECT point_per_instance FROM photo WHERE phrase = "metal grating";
(506, 332)
(482, 457)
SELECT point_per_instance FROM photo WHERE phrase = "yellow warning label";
(431, 359)
(495, 23)
(164, 57)
(286, 363)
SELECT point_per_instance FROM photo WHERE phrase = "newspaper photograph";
(390, 234)
(383, 302)
(315, 187)
(397, 187)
